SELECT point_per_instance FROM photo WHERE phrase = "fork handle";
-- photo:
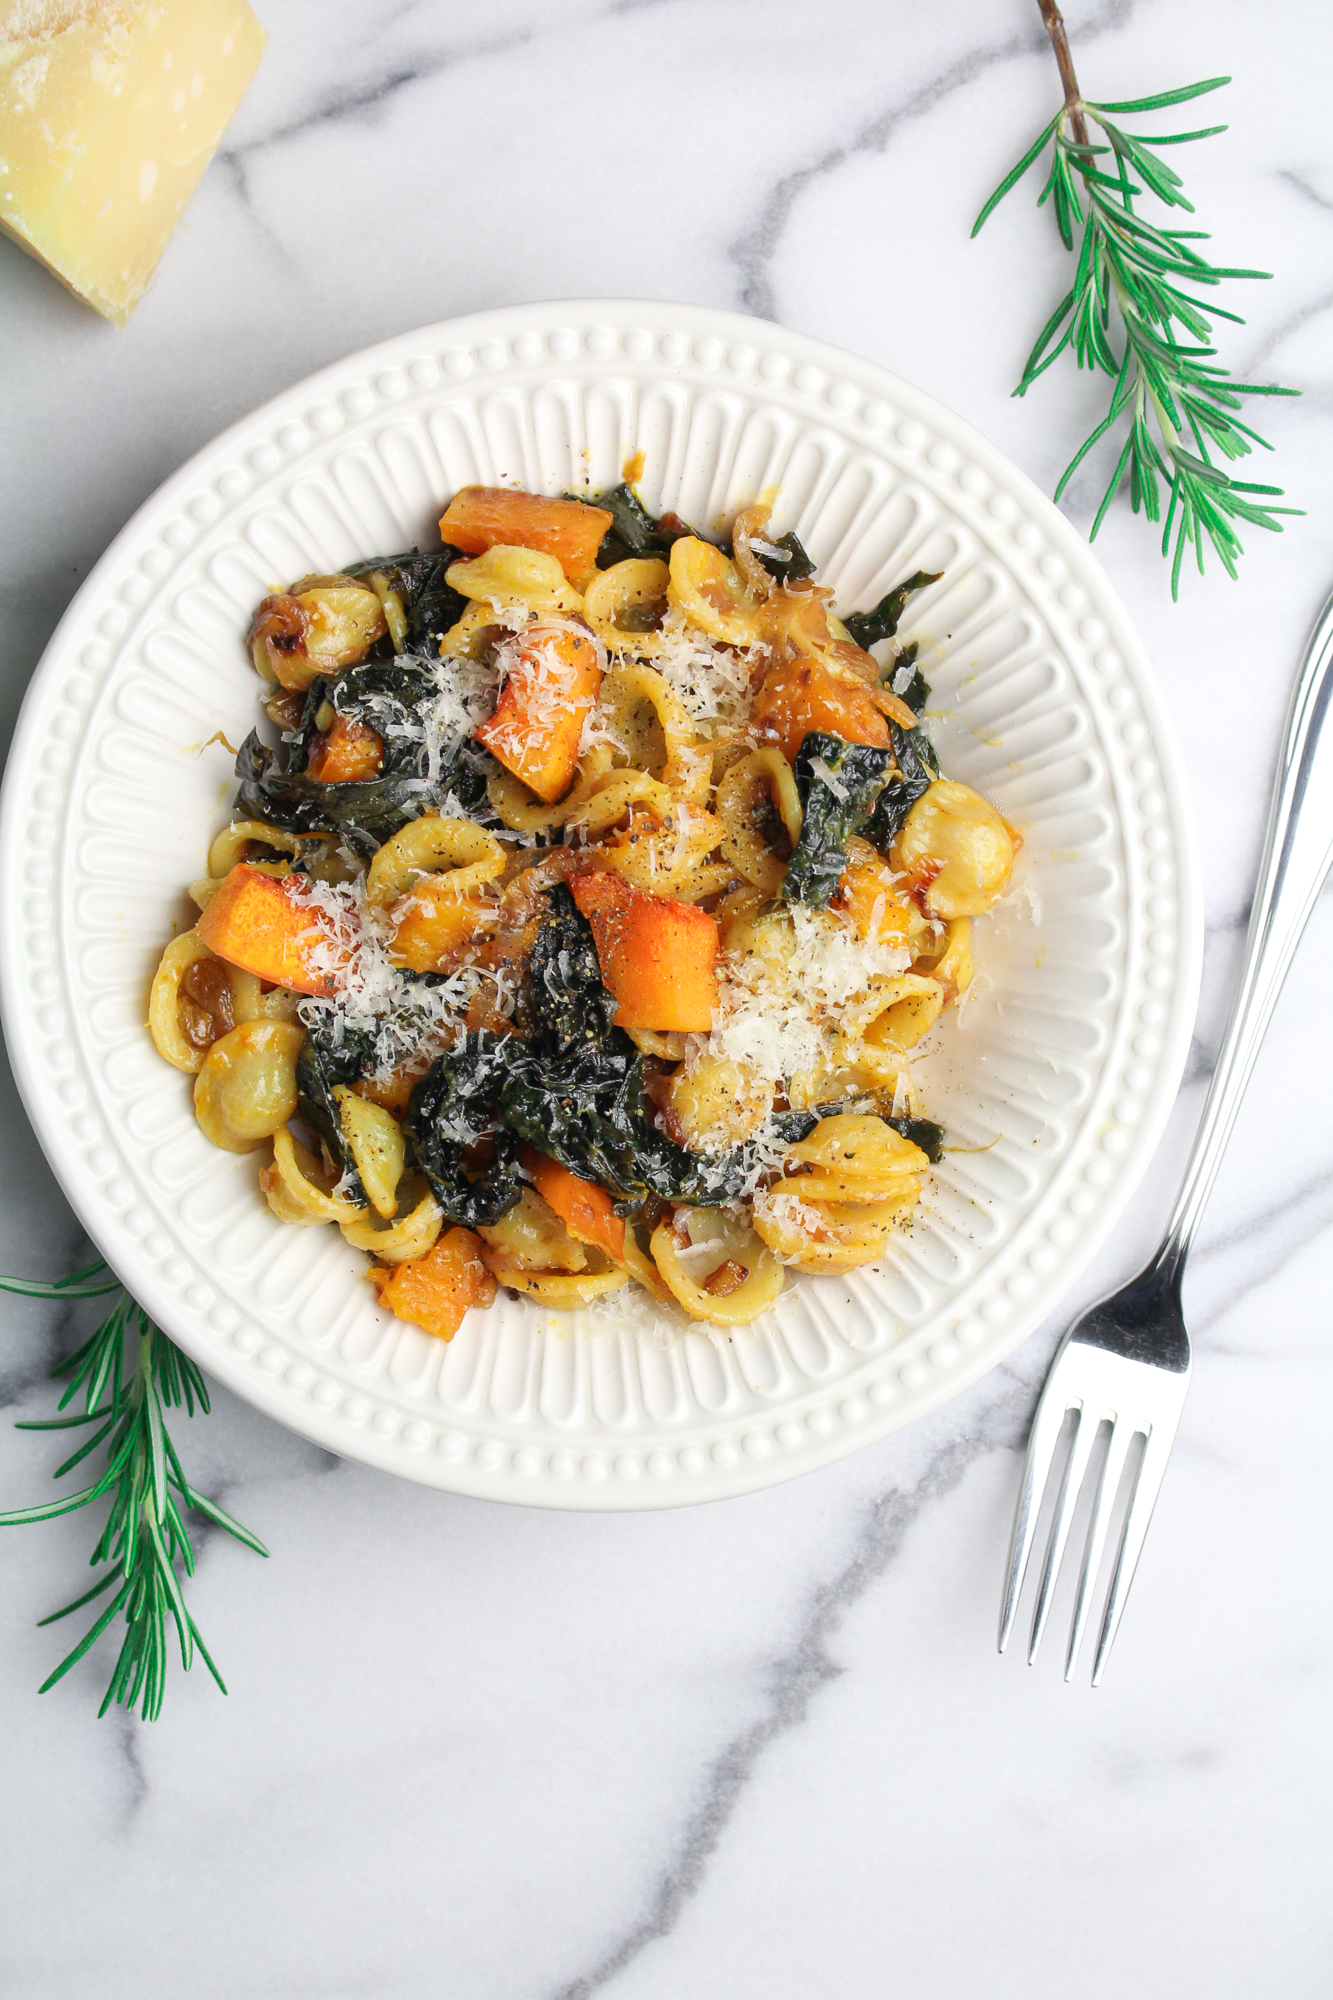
(1296, 859)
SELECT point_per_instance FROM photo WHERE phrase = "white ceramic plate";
(1070, 1050)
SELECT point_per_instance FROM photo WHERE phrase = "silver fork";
(1126, 1361)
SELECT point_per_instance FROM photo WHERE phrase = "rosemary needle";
(1144, 280)
(145, 1538)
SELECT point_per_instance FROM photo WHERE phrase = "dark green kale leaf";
(332, 1054)
(836, 807)
(455, 1106)
(431, 604)
(906, 679)
(633, 530)
(574, 1085)
(793, 564)
(566, 1005)
(867, 628)
(918, 768)
(923, 1133)
(387, 695)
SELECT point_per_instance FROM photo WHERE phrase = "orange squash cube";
(658, 956)
(254, 923)
(800, 695)
(347, 754)
(538, 720)
(480, 516)
(586, 1210)
(875, 904)
(436, 1290)
(430, 924)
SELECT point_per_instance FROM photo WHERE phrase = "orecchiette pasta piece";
(374, 1138)
(863, 1180)
(758, 804)
(905, 1009)
(179, 1033)
(513, 576)
(322, 624)
(250, 1002)
(715, 1103)
(710, 592)
(472, 637)
(616, 796)
(410, 1234)
(246, 1088)
(750, 524)
(531, 1234)
(956, 851)
(949, 963)
(298, 1189)
(827, 1237)
(523, 812)
(665, 862)
(469, 857)
(715, 1266)
(237, 840)
(561, 1290)
(853, 1070)
(626, 601)
(856, 1145)
(651, 725)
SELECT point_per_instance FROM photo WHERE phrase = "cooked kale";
(836, 806)
(566, 1007)
(906, 679)
(793, 564)
(386, 695)
(867, 628)
(918, 768)
(633, 530)
(432, 606)
(572, 1085)
(453, 1108)
(332, 1055)
(923, 1133)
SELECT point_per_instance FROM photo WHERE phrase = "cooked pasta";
(581, 926)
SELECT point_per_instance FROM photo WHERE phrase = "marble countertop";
(764, 1746)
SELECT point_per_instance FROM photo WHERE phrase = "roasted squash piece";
(538, 720)
(346, 754)
(252, 921)
(798, 696)
(480, 516)
(436, 1290)
(658, 956)
(431, 923)
(586, 1210)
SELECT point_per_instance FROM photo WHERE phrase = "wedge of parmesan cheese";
(109, 112)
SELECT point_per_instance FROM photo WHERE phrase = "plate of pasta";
(599, 906)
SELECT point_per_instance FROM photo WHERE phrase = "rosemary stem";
(1054, 22)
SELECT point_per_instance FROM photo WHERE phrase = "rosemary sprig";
(1177, 400)
(145, 1538)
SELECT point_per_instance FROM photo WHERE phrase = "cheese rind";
(110, 110)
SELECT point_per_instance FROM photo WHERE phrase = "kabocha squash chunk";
(253, 922)
(436, 1290)
(430, 924)
(480, 516)
(658, 956)
(800, 695)
(347, 754)
(539, 717)
(586, 1210)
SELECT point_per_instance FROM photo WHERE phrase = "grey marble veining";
(764, 1746)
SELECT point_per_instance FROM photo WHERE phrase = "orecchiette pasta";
(955, 850)
(540, 901)
(246, 1087)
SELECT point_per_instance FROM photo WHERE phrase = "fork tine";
(1046, 1428)
(1156, 1456)
(1080, 1453)
(1117, 1451)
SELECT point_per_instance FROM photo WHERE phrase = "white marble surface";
(763, 1746)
